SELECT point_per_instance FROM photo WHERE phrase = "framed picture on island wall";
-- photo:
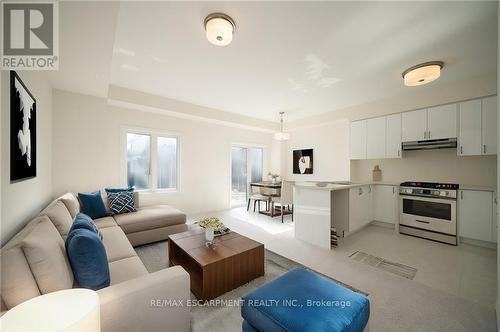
(22, 130)
(303, 161)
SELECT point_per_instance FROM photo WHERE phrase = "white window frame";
(264, 164)
(153, 176)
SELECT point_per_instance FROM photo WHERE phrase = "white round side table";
(67, 310)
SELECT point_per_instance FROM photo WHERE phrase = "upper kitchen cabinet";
(469, 140)
(393, 136)
(375, 138)
(358, 139)
(414, 126)
(477, 127)
(489, 125)
(442, 122)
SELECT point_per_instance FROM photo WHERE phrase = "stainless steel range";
(429, 210)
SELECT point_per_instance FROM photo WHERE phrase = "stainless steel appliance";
(431, 144)
(429, 210)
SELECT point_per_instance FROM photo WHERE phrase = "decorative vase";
(209, 234)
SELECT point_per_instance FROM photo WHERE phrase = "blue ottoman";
(301, 300)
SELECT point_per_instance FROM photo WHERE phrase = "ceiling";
(303, 58)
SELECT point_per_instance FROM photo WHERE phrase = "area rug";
(225, 314)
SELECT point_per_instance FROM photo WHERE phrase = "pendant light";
(423, 73)
(281, 136)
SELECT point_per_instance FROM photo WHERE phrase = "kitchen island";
(348, 207)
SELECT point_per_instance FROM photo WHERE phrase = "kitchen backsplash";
(433, 165)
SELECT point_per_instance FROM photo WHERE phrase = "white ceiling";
(303, 58)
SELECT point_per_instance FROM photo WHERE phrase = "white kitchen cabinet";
(414, 125)
(375, 138)
(385, 203)
(469, 139)
(442, 122)
(489, 125)
(360, 207)
(358, 140)
(475, 215)
(393, 136)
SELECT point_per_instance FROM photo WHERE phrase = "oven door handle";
(423, 221)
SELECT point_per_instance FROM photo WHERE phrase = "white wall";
(87, 151)
(433, 165)
(23, 200)
(330, 156)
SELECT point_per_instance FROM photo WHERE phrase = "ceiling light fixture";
(281, 136)
(423, 73)
(220, 28)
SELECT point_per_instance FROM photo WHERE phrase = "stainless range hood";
(445, 143)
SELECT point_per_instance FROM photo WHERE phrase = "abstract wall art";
(22, 130)
(303, 161)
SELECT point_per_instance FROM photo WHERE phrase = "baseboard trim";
(383, 224)
(479, 243)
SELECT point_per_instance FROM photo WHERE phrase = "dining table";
(270, 190)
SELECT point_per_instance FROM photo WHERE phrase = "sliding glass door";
(246, 167)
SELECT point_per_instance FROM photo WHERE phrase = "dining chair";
(285, 200)
(256, 196)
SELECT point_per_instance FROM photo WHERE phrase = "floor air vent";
(401, 270)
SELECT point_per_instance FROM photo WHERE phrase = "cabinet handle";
(393, 190)
(399, 152)
(429, 134)
(360, 191)
(369, 189)
(461, 195)
(425, 134)
(461, 149)
(484, 148)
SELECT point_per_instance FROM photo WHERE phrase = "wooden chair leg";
(254, 203)
(248, 205)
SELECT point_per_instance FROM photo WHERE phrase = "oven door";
(433, 214)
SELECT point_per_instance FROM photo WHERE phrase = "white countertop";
(331, 186)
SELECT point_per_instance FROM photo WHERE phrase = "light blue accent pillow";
(93, 205)
(88, 259)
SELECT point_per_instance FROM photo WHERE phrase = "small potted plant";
(274, 177)
(211, 225)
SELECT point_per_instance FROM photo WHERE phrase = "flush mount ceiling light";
(281, 136)
(422, 73)
(220, 28)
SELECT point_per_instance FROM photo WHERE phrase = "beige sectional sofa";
(34, 262)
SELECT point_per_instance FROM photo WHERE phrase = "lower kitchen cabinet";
(385, 203)
(360, 207)
(476, 215)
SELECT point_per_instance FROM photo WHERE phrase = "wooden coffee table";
(233, 261)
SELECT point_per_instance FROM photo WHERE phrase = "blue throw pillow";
(121, 202)
(84, 221)
(88, 259)
(92, 205)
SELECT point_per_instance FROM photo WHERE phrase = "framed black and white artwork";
(303, 161)
(22, 130)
